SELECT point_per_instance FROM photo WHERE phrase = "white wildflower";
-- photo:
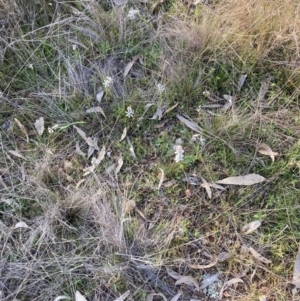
(199, 109)
(74, 47)
(161, 88)
(30, 66)
(107, 82)
(198, 137)
(206, 93)
(132, 13)
(178, 153)
(52, 128)
(129, 112)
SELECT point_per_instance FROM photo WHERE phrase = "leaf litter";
(250, 227)
(131, 63)
(96, 110)
(189, 123)
(16, 154)
(246, 180)
(22, 128)
(258, 256)
(39, 126)
(123, 136)
(227, 284)
(79, 297)
(207, 187)
(208, 281)
(296, 273)
(265, 149)
(188, 280)
(88, 140)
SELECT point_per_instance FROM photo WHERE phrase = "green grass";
(91, 236)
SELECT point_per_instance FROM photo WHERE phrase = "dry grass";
(117, 233)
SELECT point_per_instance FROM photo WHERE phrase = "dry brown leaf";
(79, 297)
(208, 281)
(173, 274)
(296, 273)
(206, 186)
(258, 256)
(150, 296)
(96, 110)
(78, 150)
(79, 183)
(214, 185)
(100, 95)
(252, 226)
(227, 284)
(264, 87)
(130, 64)
(247, 180)
(162, 178)
(172, 108)
(119, 166)
(176, 297)
(88, 140)
(265, 149)
(123, 134)
(131, 149)
(189, 280)
(159, 112)
(39, 125)
(21, 225)
(190, 124)
(204, 266)
(22, 128)
(241, 81)
(101, 156)
(123, 296)
(17, 154)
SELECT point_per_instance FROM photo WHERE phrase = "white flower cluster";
(161, 88)
(53, 128)
(129, 112)
(107, 82)
(178, 153)
(132, 13)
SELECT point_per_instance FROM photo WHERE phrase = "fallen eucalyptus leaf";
(296, 273)
(16, 154)
(150, 296)
(22, 128)
(123, 296)
(100, 95)
(130, 64)
(173, 274)
(21, 225)
(79, 183)
(189, 280)
(119, 166)
(265, 149)
(252, 226)
(227, 284)
(79, 297)
(159, 112)
(190, 124)
(62, 298)
(258, 256)
(208, 281)
(88, 140)
(101, 156)
(241, 81)
(247, 180)
(162, 178)
(207, 188)
(123, 134)
(78, 150)
(265, 83)
(96, 110)
(131, 149)
(39, 125)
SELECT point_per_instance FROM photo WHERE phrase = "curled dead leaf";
(258, 256)
(96, 110)
(123, 134)
(207, 187)
(265, 149)
(189, 280)
(173, 274)
(189, 123)
(21, 225)
(204, 266)
(252, 226)
(227, 284)
(39, 125)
